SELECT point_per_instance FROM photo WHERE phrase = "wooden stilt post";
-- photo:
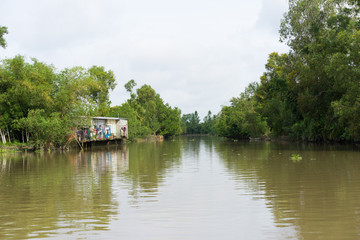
(79, 144)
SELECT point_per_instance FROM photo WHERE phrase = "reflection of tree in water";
(319, 195)
(46, 194)
(191, 145)
(104, 159)
(149, 164)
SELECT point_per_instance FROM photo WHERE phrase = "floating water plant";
(295, 157)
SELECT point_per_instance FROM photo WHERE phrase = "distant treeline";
(191, 124)
(313, 91)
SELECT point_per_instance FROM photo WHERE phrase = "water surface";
(188, 188)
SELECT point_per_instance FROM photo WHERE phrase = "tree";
(324, 40)
(24, 86)
(208, 124)
(276, 100)
(129, 86)
(47, 130)
(34, 90)
(100, 83)
(347, 110)
(147, 113)
(147, 105)
(191, 123)
(171, 123)
(241, 119)
(3, 31)
(135, 127)
(84, 91)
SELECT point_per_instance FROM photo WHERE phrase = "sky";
(197, 54)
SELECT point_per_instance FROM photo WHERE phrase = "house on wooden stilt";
(103, 129)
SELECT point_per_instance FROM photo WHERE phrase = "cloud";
(271, 14)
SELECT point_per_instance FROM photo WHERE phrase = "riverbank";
(152, 138)
(17, 147)
(9, 147)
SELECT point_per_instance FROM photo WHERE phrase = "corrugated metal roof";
(108, 118)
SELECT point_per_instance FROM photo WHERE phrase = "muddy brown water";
(187, 188)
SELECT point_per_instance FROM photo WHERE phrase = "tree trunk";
(3, 137)
(8, 134)
(27, 135)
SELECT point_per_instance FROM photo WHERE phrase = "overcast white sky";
(197, 54)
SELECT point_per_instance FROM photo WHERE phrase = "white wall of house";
(115, 125)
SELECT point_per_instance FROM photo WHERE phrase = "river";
(187, 188)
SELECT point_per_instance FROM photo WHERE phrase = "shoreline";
(24, 147)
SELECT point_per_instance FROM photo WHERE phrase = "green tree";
(347, 110)
(241, 119)
(147, 107)
(47, 130)
(84, 91)
(208, 124)
(135, 127)
(277, 102)
(3, 31)
(171, 123)
(147, 113)
(324, 40)
(100, 83)
(24, 86)
(129, 86)
(36, 88)
(191, 123)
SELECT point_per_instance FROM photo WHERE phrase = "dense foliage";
(42, 105)
(241, 119)
(191, 124)
(322, 68)
(312, 92)
(147, 113)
